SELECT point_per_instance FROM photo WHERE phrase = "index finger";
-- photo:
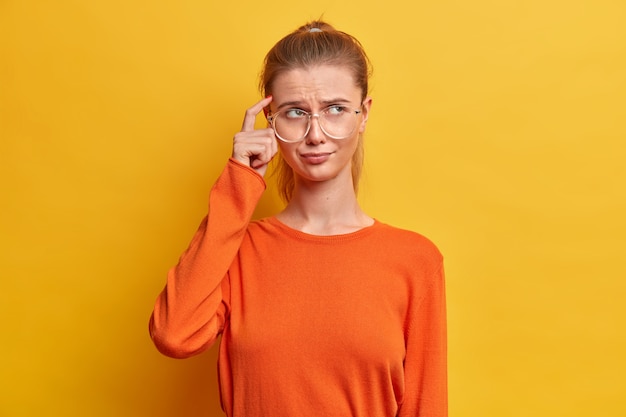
(251, 113)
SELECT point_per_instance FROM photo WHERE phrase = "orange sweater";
(346, 325)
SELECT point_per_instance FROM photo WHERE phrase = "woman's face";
(318, 157)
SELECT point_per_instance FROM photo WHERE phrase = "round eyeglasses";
(293, 124)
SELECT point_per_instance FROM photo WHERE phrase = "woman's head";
(314, 44)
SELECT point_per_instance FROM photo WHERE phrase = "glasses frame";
(271, 118)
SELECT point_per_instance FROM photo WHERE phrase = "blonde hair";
(313, 44)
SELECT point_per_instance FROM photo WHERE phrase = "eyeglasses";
(336, 121)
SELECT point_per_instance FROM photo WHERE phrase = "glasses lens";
(291, 125)
(338, 122)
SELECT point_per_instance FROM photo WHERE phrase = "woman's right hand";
(255, 147)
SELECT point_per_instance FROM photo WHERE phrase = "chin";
(323, 173)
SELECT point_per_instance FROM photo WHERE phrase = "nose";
(315, 135)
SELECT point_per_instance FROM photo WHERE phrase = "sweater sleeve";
(426, 387)
(191, 310)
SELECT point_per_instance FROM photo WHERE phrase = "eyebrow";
(300, 104)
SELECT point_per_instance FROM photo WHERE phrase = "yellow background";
(498, 130)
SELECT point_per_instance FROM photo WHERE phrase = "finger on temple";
(251, 113)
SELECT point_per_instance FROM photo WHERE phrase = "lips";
(315, 157)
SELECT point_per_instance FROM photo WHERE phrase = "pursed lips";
(316, 157)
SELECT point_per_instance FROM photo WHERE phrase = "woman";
(323, 310)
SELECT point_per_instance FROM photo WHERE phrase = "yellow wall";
(498, 130)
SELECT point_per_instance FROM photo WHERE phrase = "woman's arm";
(425, 367)
(191, 310)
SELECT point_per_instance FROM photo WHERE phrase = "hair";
(316, 43)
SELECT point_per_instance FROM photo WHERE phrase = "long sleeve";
(426, 393)
(191, 310)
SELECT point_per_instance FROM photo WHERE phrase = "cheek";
(287, 151)
(283, 147)
(355, 145)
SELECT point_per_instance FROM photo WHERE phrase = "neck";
(324, 208)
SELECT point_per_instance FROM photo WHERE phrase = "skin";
(323, 202)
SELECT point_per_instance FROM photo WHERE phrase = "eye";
(336, 110)
(295, 113)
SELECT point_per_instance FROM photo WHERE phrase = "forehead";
(318, 83)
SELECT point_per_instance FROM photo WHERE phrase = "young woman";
(322, 310)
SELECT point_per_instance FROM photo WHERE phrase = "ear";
(365, 111)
